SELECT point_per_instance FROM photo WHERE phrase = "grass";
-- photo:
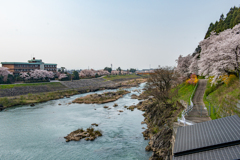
(224, 98)
(185, 91)
(8, 86)
(120, 77)
(35, 98)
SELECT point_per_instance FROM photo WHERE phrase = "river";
(38, 132)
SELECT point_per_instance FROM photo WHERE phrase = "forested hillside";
(232, 18)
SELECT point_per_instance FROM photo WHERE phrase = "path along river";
(37, 132)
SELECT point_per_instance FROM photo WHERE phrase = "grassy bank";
(35, 98)
(51, 84)
(122, 77)
(223, 99)
(185, 91)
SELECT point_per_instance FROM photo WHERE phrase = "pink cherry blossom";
(5, 72)
(220, 53)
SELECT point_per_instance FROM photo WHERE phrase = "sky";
(81, 34)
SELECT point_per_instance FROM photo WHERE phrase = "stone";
(105, 107)
(91, 138)
(1, 107)
(143, 127)
(145, 138)
(32, 104)
(148, 148)
(143, 122)
(115, 105)
(77, 138)
(120, 111)
(134, 96)
(94, 124)
(59, 104)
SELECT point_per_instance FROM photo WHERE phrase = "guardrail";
(188, 109)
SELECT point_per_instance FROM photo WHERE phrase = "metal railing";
(188, 109)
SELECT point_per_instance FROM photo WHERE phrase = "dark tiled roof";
(226, 153)
(208, 135)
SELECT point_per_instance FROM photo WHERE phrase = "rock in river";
(89, 134)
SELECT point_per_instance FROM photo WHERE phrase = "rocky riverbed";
(101, 98)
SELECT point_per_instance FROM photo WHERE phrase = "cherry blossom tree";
(4, 72)
(37, 75)
(87, 73)
(102, 72)
(62, 76)
(193, 68)
(114, 72)
(183, 64)
(220, 54)
(124, 72)
(24, 75)
(81, 74)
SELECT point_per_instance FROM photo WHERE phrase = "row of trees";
(105, 71)
(42, 75)
(37, 75)
(232, 19)
(109, 69)
(7, 77)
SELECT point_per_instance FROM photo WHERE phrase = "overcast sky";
(79, 34)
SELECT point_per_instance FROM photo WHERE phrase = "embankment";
(223, 99)
(161, 120)
(81, 85)
(20, 94)
(23, 89)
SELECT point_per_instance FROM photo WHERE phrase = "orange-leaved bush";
(193, 79)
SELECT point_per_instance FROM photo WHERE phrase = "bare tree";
(162, 84)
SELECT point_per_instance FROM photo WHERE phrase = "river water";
(37, 132)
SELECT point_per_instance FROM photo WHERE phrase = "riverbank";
(11, 90)
(81, 86)
(159, 120)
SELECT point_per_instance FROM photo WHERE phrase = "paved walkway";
(199, 112)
